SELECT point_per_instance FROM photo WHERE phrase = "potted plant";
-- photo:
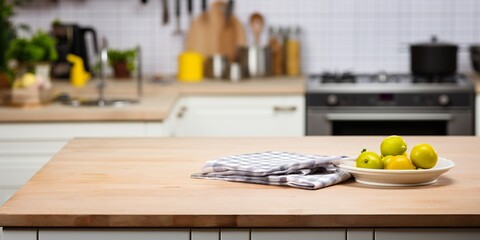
(122, 62)
(32, 59)
(33, 55)
(49, 54)
(7, 33)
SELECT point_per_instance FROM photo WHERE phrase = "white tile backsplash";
(356, 35)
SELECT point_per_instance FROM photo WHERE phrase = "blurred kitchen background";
(336, 35)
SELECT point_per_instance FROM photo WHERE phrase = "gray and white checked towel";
(276, 168)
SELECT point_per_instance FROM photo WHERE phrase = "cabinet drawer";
(117, 234)
(296, 234)
(15, 177)
(427, 234)
(65, 131)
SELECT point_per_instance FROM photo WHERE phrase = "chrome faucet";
(102, 83)
(103, 66)
(139, 73)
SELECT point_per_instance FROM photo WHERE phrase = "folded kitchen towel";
(276, 168)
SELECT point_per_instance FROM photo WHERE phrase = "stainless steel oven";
(390, 108)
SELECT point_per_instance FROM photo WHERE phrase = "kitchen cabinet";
(427, 234)
(224, 116)
(205, 234)
(360, 234)
(235, 234)
(26, 147)
(295, 234)
(245, 234)
(20, 234)
(122, 234)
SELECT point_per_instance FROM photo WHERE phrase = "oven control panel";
(390, 99)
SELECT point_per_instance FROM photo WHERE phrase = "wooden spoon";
(257, 23)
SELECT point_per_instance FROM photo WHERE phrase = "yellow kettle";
(78, 76)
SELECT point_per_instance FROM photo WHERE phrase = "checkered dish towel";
(276, 168)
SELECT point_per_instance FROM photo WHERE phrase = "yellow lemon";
(28, 79)
(400, 162)
(424, 156)
(386, 159)
(393, 145)
(369, 160)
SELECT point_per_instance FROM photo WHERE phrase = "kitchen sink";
(101, 103)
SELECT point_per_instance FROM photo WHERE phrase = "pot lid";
(434, 43)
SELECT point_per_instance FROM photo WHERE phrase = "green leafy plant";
(40, 48)
(7, 32)
(47, 44)
(122, 56)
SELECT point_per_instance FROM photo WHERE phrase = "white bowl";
(396, 178)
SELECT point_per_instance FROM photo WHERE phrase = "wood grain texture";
(210, 33)
(156, 104)
(146, 183)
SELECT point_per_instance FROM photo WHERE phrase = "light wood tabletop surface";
(146, 182)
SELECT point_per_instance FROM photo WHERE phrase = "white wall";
(357, 35)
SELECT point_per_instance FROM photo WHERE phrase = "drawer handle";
(285, 108)
(181, 112)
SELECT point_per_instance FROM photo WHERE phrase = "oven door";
(325, 121)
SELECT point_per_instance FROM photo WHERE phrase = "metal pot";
(255, 61)
(433, 58)
(475, 57)
(216, 67)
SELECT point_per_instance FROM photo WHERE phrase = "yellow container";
(78, 76)
(190, 67)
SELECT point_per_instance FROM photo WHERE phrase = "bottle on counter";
(292, 49)
(276, 47)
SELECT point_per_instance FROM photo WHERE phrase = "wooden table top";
(146, 182)
(155, 105)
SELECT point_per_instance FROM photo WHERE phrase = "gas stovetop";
(385, 82)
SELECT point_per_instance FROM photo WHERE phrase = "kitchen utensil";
(72, 39)
(228, 34)
(433, 58)
(255, 61)
(229, 10)
(165, 12)
(475, 57)
(190, 67)
(190, 9)
(210, 34)
(204, 5)
(216, 67)
(396, 178)
(257, 23)
(78, 76)
(234, 73)
(178, 28)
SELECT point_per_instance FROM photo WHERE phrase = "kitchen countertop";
(156, 104)
(146, 183)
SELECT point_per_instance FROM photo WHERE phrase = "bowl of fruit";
(395, 167)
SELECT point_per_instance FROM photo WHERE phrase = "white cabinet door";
(68, 130)
(205, 234)
(360, 234)
(19, 234)
(226, 116)
(427, 234)
(297, 234)
(114, 234)
(234, 234)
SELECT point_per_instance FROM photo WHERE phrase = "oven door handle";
(389, 116)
